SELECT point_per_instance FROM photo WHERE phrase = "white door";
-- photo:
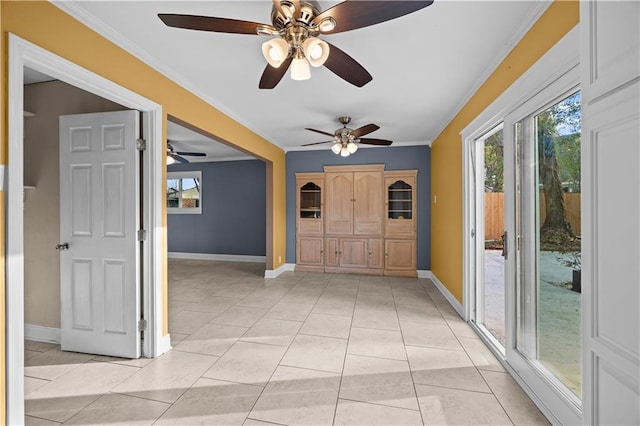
(99, 220)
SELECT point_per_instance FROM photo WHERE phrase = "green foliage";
(494, 163)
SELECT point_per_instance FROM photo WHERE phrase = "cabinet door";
(400, 255)
(310, 251)
(353, 252)
(400, 206)
(339, 203)
(331, 252)
(309, 204)
(376, 254)
(368, 206)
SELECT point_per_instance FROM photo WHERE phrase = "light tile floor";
(302, 349)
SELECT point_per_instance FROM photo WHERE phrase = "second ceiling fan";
(345, 140)
(296, 25)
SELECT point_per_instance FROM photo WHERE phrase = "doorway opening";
(23, 54)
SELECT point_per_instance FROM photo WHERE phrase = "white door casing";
(99, 220)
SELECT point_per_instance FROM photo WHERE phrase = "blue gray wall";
(233, 219)
(394, 158)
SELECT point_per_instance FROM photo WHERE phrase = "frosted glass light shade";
(316, 51)
(275, 51)
(352, 147)
(345, 152)
(300, 69)
(170, 160)
(336, 147)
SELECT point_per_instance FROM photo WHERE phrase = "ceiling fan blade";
(209, 23)
(347, 68)
(369, 141)
(271, 76)
(350, 15)
(278, 7)
(316, 143)
(178, 158)
(365, 130)
(320, 131)
(296, 8)
(192, 154)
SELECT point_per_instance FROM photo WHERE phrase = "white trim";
(424, 273)
(211, 256)
(24, 53)
(273, 273)
(102, 28)
(164, 344)
(541, 7)
(40, 333)
(447, 295)
(3, 181)
(193, 160)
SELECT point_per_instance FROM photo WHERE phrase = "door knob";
(62, 247)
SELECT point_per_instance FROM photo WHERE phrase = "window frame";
(191, 174)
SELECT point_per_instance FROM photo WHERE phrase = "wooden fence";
(494, 213)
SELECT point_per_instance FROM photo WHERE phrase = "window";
(184, 192)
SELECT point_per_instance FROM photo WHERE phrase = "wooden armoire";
(356, 219)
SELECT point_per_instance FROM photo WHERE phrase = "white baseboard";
(208, 256)
(165, 345)
(273, 273)
(450, 297)
(41, 333)
(422, 273)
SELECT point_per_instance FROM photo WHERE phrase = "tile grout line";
(346, 351)
(279, 362)
(404, 345)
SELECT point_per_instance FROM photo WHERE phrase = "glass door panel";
(490, 279)
(549, 309)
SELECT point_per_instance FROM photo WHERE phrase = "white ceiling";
(424, 66)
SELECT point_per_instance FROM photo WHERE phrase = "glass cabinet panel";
(310, 201)
(400, 202)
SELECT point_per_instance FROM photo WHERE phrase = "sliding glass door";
(488, 167)
(547, 348)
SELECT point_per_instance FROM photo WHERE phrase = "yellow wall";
(48, 27)
(446, 151)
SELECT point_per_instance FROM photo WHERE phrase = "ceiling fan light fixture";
(316, 51)
(300, 69)
(327, 24)
(336, 148)
(170, 160)
(352, 147)
(345, 152)
(275, 51)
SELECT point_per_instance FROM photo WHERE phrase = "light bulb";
(344, 152)
(300, 69)
(336, 147)
(352, 147)
(316, 51)
(275, 51)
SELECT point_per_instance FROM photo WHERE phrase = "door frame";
(24, 53)
(562, 59)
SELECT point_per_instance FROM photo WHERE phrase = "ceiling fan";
(296, 24)
(174, 156)
(345, 140)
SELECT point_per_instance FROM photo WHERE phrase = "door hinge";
(142, 325)
(142, 234)
(141, 144)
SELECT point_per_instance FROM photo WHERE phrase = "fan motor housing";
(308, 11)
